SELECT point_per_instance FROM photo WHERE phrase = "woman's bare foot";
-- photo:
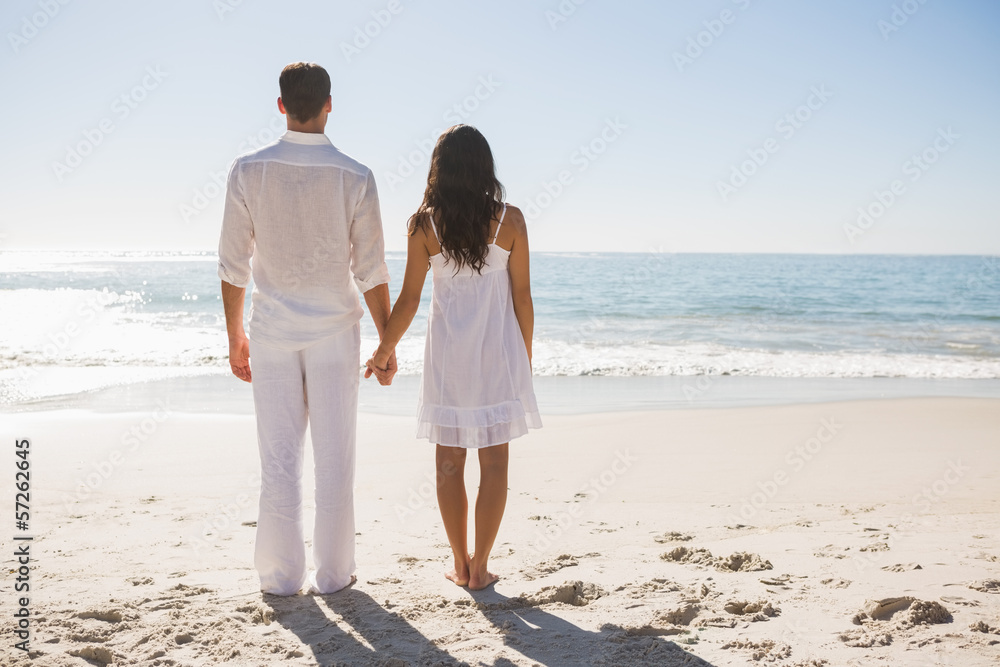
(460, 573)
(478, 583)
(479, 576)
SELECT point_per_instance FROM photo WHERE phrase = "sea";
(613, 331)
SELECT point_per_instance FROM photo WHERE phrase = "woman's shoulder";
(418, 223)
(515, 219)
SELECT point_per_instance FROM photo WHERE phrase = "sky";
(857, 126)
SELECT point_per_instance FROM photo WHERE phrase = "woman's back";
(476, 388)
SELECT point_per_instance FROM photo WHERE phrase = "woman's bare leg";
(490, 504)
(454, 506)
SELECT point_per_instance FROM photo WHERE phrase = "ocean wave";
(551, 358)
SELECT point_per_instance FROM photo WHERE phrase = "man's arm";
(368, 264)
(377, 300)
(236, 246)
(239, 346)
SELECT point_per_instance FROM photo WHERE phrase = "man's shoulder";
(345, 161)
(304, 155)
(256, 154)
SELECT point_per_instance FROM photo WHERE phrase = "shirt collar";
(306, 138)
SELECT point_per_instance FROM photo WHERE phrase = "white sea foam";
(80, 321)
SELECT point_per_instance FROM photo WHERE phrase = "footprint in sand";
(673, 536)
(984, 627)
(740, 561)
(602, 529)
(765, 650)
(576, 593)
(682, 615)
(902, 567)
(759, 610)
(106, 615)
(831, 551)
(883, 621)
(549, 566)
(836, 583)
(778, 581)
(668, 622)
(257, 613)
(986, 586)
(95, 654)
(954, 599)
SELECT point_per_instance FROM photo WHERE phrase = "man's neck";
(307, 128)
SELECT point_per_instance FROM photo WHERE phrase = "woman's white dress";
(476, 389)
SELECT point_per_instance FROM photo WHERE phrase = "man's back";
(309, 216)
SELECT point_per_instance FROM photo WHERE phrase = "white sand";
(619, 545)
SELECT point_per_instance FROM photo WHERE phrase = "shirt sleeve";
(367, 244)
(236, 242)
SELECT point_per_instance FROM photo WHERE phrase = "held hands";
(382, 365)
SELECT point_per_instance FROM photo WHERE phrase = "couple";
(308, 217)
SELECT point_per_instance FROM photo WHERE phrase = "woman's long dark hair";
(464, 194)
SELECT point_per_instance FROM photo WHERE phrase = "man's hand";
(382, 366)
(239, 358)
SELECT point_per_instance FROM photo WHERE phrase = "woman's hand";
(382, 365)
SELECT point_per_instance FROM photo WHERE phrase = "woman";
(476, 391)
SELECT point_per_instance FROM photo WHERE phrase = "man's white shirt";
(308, 216)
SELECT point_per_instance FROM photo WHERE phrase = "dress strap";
(500, 222)
(434, 228)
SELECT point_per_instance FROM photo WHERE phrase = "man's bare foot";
(459, 574)
(312, 590)
(478, 583)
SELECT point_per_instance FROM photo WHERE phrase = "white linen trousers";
(317, 385)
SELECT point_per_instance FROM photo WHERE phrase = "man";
(308, 217)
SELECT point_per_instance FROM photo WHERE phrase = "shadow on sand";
(351, 628)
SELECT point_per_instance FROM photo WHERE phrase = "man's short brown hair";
(305, 88)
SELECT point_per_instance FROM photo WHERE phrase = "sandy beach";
(846, 533)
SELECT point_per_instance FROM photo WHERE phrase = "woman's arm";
(520, 278)
(417, 259)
